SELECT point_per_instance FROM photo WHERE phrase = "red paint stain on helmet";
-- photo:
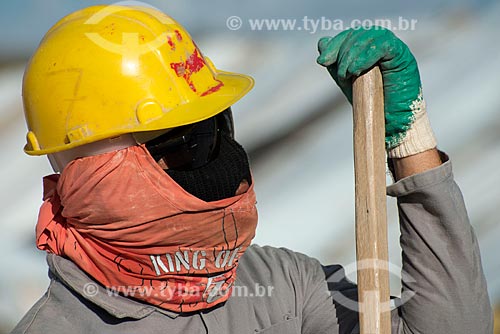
(195, 62)
(192, 65)
(178, 34)
(171, 43)
(213, 89)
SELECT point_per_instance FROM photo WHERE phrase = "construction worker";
(148, 222)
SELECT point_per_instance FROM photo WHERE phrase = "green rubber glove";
(355, 51)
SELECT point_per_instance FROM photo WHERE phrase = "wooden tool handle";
(371, 215)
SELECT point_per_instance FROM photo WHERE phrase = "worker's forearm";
(414, 164)
(441, 257)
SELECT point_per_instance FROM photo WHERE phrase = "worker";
(149, 219)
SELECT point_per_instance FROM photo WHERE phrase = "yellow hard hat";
(104, 71)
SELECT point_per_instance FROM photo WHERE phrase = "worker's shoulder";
(276, 254)
(267, 259)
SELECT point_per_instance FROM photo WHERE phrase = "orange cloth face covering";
(127, 224)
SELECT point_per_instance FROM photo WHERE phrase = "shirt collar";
(116, 305)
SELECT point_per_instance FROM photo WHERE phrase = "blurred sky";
(23, 22)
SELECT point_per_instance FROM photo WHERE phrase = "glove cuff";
(418, 138)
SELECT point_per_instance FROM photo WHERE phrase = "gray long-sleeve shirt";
(281, 291)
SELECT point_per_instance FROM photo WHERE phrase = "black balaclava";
(203, 157)
(220, 177)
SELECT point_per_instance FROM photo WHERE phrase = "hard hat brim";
(234, 87)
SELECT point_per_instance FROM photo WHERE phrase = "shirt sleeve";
(442, 269)
(444, 289)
